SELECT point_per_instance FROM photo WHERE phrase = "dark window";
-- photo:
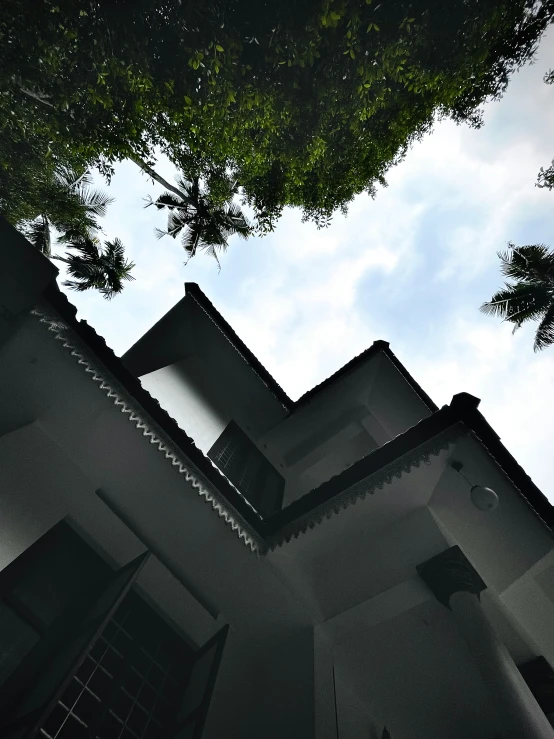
(38, 586)
(81, 655)
(131, 682)
(248, 469)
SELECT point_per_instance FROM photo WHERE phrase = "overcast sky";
(411, 266)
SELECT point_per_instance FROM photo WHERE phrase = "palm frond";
(177, 221)
(239, 224)
(518, 303)
(191, 240)
(202, 222)
(191, 188)
(544, 335)
(168, 200)
(70, 178)
(96, 267)
(159, 233)
(94, 201)
(534, 263)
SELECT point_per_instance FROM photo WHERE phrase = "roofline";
(463, 410)
(131, 384)
(192, 288)
(431, 405)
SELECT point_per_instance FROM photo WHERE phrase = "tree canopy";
(302, 102)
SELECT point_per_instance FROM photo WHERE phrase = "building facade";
(186, 552)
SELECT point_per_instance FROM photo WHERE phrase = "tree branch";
(36, 96)
(155, 176)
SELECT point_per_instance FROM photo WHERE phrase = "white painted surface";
(503, 544)
(398, 654)
(416, 677)
(517, 709)
(184, 391)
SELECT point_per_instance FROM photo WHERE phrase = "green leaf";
(218, 47)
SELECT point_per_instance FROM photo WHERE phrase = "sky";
(411, 266)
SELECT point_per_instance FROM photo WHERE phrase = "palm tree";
(72, 206)
(72, 209)
(531, 296)
(93, 267)
(203, 221)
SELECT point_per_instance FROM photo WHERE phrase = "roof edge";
(429, 436)
(115, 380)
(193, 289)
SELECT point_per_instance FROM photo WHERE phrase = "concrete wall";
(341, 424)
(185, 391)
(503, 544)
(40, 485)
(284, 698)
(416, 676)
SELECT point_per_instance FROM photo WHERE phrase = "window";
(131, 682)
(82, 656)
(248, 469)
(38, 586)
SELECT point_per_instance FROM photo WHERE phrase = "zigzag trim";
(413, 459)
(149, 428)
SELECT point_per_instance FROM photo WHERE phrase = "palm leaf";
(239, 224)
(519, 303)
(168, 200)
(545, 332)
(93, 267)
(528, 263)
(177, 221)
(203, 223)
(191, 239)
(94, 201)
(69, 178)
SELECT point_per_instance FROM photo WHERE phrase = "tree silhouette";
(531, 296)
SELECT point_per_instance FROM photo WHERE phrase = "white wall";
(188, 391)
(40, 485)
(416, 676)
(343, 423)
(502, 544)
(284, 691)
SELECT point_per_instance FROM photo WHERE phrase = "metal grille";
(246, 478)
(128, 685)
(248, 469)
(227, 454)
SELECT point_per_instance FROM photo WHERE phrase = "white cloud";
(411, 267)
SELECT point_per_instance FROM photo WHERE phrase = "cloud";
(411, 266)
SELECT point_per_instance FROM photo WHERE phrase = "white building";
(317, 569)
